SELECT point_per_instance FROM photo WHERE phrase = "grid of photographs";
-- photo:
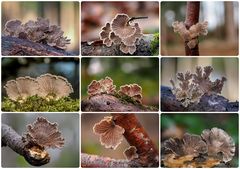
(119, 84)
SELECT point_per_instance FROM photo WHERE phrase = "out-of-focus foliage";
(68, 124)
(175, 125)
(36, 103)
(223, 27)
(142, 71)
(223, 67)
(91, 144)
(34, 67)
(94, 16)
(64, 14)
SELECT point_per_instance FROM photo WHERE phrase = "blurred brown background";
(90, 141)
(94, 16)
(223, 28)
(64, 14)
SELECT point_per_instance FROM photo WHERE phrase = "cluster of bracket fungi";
(190, 35)
(39, 31)
(193, 86)
(212, 148)
(47, 86)
(111, 135)
(123, 32)
(105, 86)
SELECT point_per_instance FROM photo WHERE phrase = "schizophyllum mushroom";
(122, 31)
(213, 147)
(190, 35)
(39, 31)
(47, 86)
(193, 86)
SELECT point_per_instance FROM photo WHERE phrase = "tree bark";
(97, 48)
(214, 103)
(110, 103)
(192, 17)
(136, 136)
(12, 46)
(14, 141)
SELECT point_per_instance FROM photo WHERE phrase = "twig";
(207, 103)
(136, 136)
(192, 17)
(14, 141)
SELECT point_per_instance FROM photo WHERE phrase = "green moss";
(154, 46)
(38, 104)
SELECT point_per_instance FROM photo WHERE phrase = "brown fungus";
(53, 87)
(131, 153)
(21, 88)
(101, 86)
(105, 35)
(133, 90)
(219, 143)
(111, 135)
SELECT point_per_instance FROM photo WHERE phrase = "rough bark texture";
(95, 161)
(14, 141)
(136, 136)
(12, 46)
(213, 102)
(192, 17)
(109, 103)
(97, 48)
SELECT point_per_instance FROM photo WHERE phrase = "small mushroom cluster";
(190, 35)
(111, 135)
(121, 31)
(193, 86)
(105, 86)
(47, 86)
(39, 31)
(40, 136)
(213, 147)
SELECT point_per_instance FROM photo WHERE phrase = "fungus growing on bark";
(190, 35)
(39, 31)
(133, 90)
(111, 135)
(53, 87)
(131, 153)
(219, 143)
(101, 86)
(122, 31)
(21, 88)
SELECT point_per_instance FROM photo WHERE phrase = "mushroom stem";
(135, 18)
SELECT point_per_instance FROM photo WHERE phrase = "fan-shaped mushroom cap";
(131, 40)
(44, 133)
(131, 153)
(53, 87)
(132, 90)
(127, 49)
(218, 141)
(105, 35)
(111, 135)
(21, 88)
(121, 27)
(114, 38)
(12, 28)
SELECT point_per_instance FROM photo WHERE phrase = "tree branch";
(192, 17)
(136, 136)
(12, 46)
(95, 161)
(97, 48)
(111, 103)
(14, 141)
(207, 103)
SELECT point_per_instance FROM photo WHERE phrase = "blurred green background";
(68, 124)
(223, 28)
(34, 67)
(143, 71)
(94, 16)
(227, 67)
(175, 125)
(64, 14)
(90, 142)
